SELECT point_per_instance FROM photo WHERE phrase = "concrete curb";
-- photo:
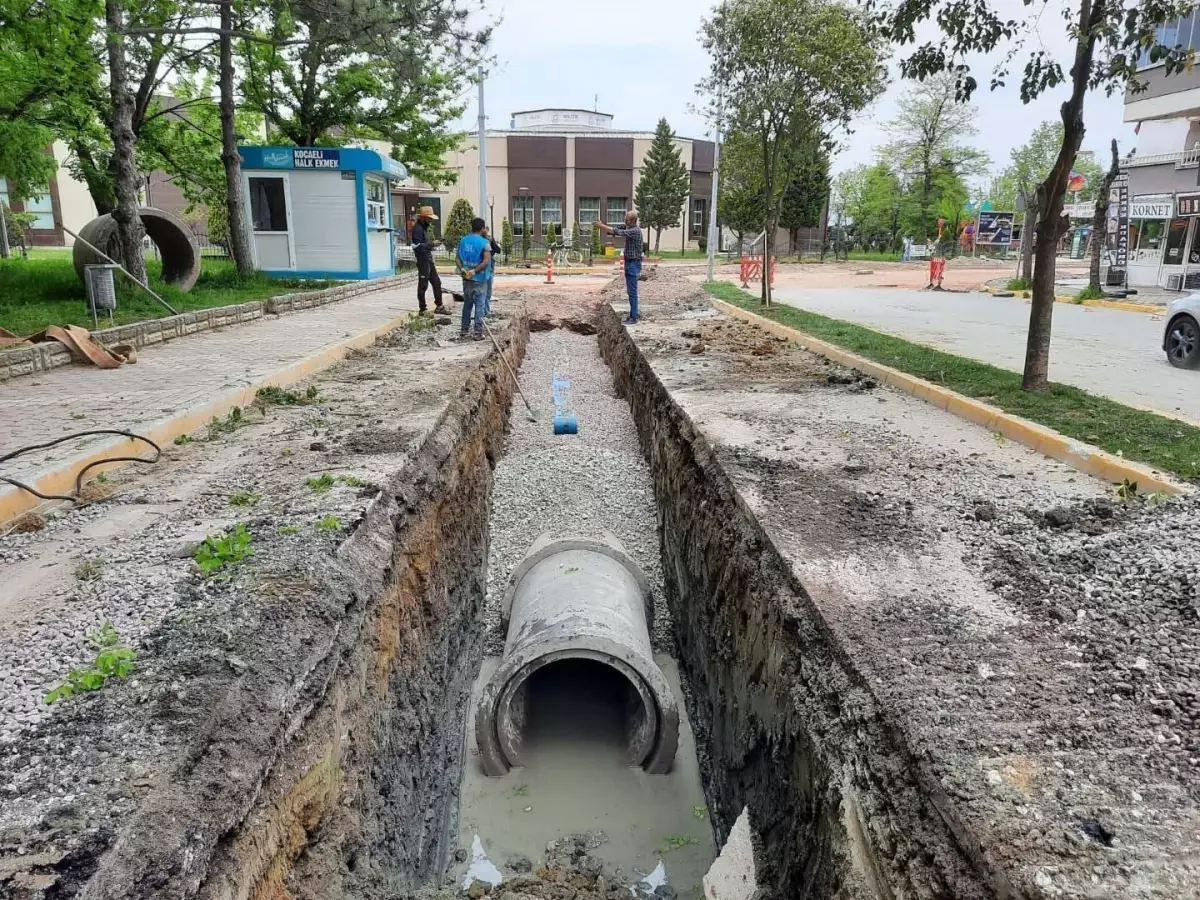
(1084, 457)
(61, 479)
(1107, 304)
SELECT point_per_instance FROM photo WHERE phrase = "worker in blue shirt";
(475, 261)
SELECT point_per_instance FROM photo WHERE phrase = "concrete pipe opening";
(577, 606)
(175, 242)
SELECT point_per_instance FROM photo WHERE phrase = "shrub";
(459, 223)
(1020, 284)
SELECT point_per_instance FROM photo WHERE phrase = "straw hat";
(426, 212)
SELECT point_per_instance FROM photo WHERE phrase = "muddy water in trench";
(656, 827)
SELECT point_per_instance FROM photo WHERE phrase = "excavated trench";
(513, 663)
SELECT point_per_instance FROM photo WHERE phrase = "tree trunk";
(1100, 219)
(1051, 192)
(657, 239)
(1031, 219)
(235, 195)
(768, 255)
(126, 179)
(99, 183)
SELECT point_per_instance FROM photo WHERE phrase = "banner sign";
(1116, 237)
(1189, 204)
(1154, 207)
(995, 228)
(301, 158)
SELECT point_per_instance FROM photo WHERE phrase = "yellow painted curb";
(14, 501)
(1107, 304)
(1084, 457)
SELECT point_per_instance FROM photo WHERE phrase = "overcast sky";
(643, 59)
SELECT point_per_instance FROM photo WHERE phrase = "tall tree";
(928, 131)
(231, 159)
(1110, 40)
(323, 71)
(1100, 219)
(1031, 163)
(665, 183)
(740, 205)
(807, 188)
(789, 71)
(45, 52)
(125, 172)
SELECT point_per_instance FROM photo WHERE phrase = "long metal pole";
(483, 191)
(712, 210)
(4, 251)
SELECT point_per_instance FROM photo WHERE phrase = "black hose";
(77, 496)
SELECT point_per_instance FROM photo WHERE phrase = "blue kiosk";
(320, 212)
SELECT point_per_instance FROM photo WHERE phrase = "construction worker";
(427, 274)
(634, 242)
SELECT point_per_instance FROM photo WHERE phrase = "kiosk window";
(268, 209)
(376, 204)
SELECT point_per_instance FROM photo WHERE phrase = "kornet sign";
(1157, 207)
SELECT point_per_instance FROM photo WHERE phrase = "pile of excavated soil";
(664, 288)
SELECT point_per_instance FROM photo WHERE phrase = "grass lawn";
(873, 256)
(43, 290)
(681, 254)
(1167, 444)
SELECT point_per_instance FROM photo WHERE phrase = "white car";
(1181, 336)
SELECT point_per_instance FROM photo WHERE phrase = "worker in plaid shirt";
(634, 242)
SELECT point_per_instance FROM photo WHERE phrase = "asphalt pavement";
(1110, 352)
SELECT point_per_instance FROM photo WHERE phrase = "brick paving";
(171, 378)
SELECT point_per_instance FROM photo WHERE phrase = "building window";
(376, 204)
(699, 216)
(41, 207)
(1184, 32)
(268, 208)
(552, 212)
(617, 207)
(522, 213)
(589, 212)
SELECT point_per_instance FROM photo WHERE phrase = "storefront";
(1164, 241)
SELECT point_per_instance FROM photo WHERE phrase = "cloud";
(641, 59)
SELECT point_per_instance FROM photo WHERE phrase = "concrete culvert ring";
(175, 242)
(577, 599)
(639, 717)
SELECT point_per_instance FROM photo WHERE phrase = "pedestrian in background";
(475, 262)
(906, 255)
(634, 244)
(491, 282)
(427, 274)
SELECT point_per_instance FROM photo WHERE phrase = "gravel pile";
(582, 484)
(663, 285)
(1121, 583)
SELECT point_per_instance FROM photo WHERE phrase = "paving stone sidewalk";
(171, 378)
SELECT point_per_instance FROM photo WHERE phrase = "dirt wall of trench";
(327, 764)
(786, 725)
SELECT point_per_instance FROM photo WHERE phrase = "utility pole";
(712, 210)
(483, 191)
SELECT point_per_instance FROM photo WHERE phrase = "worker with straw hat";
(427, 274)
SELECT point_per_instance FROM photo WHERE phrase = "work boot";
(440, 310)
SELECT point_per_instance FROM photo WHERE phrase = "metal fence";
(529, 254)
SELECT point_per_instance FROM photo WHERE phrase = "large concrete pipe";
(176, 245)
(578, 599)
